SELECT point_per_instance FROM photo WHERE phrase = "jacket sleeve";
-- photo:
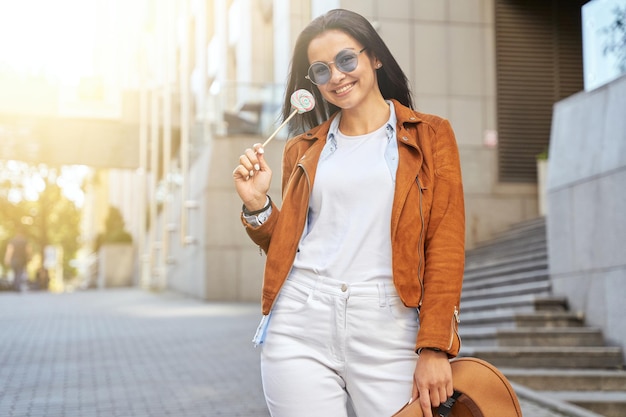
(444, 248)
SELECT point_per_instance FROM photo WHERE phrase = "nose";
(335, 74)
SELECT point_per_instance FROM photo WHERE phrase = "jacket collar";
(320, 131)
(404, 117)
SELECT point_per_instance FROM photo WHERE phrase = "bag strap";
(446, 407)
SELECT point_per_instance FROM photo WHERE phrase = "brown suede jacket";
(427, 222)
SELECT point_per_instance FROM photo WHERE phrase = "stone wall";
(586, 219)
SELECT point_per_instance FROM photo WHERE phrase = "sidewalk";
(131, 353)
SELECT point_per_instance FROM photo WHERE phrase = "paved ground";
(131, 353)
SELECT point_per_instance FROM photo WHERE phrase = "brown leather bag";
(480, 390)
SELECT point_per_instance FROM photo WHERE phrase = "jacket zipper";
(456, 319)
(419, 243)
(308, 181)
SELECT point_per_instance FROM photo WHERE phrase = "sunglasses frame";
(327, 65)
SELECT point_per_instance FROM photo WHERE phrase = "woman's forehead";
(325, 46)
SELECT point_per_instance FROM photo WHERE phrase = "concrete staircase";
(510, 318)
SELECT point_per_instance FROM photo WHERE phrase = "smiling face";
(345, 90)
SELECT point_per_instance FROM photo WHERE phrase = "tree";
(30, 196)
(616, 42)
(56, 221)
(114, 230)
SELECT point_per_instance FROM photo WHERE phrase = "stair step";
(550, 319)
(537, 223)
(521, 303)
(499, 281)
(518, 229)
(535, 288)
(573, 336)
(505, 268)
(505, 250)
(606, 403)
(568, 379)
(511, 318)
(533, 227)
(519, 246)
(527, 337)
(550, 357)
(525, 247)
(510, 240)
(483, 262)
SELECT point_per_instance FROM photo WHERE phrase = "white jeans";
(328, 341)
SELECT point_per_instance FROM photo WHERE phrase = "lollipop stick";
(293, 113)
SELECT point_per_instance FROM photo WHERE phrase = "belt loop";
(318, 279)
(382, 295)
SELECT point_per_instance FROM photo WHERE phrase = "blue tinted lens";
(319, 73)
(346, 60)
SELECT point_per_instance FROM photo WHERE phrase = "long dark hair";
(391, 79)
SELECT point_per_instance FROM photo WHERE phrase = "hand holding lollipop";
(302, 101)
(252, 164)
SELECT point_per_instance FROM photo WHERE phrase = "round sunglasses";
(346, 60)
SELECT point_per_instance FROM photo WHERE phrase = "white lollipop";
(302, 101)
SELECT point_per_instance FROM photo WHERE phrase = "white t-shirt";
(348, 233)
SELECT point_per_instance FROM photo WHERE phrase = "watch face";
(262, 217)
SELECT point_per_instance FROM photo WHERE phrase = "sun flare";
(48, 38)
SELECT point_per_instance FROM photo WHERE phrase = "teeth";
(344, 89)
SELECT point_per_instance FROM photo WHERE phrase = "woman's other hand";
(432, 381)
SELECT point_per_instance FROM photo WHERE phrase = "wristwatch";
(257, 217)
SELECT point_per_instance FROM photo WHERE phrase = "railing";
(243, 108)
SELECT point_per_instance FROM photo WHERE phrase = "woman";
(365, 256)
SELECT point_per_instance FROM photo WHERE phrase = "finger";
(449, 389)
(245, 161)
(415, 393)
(260, 152)
(439, 397)
(254, 159)
(434, 398)
(425, 405)
(240, 172)
(258, 148)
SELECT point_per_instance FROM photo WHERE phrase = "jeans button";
(344, 287)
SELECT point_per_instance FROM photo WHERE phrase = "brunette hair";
(392, 81)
